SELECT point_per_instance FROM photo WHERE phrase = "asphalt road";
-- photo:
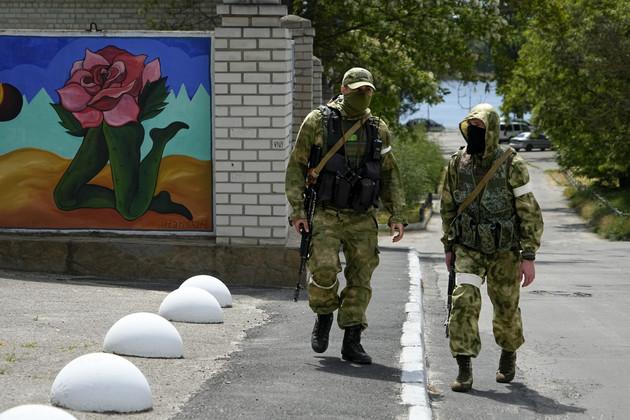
(276, 375)
(576, 358)
(259, 365)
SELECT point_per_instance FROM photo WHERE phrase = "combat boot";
(352, 350)
(321, 330)
(507, 367)
(464, 380)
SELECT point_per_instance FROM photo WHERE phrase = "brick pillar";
(303, 34)
(317, 82)
(253, 106)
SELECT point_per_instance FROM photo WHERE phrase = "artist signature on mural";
(187, 224)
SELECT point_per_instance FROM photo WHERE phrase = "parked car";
(511, 129)
(530, 140)
(429, 124)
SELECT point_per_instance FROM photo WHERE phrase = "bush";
(420, 162)
(605, 222)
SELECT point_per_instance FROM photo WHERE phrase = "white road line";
(413, 378)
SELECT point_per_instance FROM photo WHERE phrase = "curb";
(413, 377)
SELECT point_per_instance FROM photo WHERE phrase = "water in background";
(457, 103)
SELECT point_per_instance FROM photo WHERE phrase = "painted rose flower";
(105, 86)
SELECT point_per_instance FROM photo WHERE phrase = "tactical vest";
(341, 186)
(489, 223)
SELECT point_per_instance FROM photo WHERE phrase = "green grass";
(604, 220)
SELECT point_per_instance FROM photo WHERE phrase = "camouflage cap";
(357, 77)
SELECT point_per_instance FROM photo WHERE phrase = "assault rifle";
(310, 200)
(451, 287)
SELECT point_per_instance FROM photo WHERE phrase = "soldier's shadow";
(528, 399)
(341, 367)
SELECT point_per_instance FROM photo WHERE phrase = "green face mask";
(356, 102)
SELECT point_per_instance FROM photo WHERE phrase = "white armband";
(522, 190)
(386, 150)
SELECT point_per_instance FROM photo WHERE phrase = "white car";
(529, 141)
(509, 130)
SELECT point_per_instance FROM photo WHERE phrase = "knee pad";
(311, 281)
(468, 278)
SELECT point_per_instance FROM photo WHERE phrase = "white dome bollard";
(144, 334)
(35, 412)
(101, 382)
(191, 304)
(213, 285)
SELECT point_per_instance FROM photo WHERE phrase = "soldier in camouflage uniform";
(349, 188)
(495, 240)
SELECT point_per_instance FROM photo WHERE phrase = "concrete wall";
(165, 261)
(265, 82)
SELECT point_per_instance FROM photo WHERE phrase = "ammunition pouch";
(341, 187)
(487, 238)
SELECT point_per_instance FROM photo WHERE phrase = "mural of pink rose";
(105, 86)
(108, 95)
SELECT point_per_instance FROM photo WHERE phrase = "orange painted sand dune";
(29, 176)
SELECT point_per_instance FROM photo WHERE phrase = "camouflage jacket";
(312, 133)
(528, 213)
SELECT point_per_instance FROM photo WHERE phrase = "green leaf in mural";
(151, 100)
(68, 121)
(163, 135)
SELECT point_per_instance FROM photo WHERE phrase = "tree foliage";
(408, 45)
(572, 72)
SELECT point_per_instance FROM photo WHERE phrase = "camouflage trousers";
(357, 235)
(501, 270)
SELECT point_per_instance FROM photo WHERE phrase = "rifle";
(451, 287)
(310, 200)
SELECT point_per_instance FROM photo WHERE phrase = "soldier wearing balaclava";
(357, 179)
(494, 241)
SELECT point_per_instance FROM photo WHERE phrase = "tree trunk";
(624, 181)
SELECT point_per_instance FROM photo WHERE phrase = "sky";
(31, 63)
(462, 97)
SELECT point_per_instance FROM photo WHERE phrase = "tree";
(408, 45)
(506, 45)
(420, 162)
(572, 71)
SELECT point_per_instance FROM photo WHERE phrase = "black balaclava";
(476, 140)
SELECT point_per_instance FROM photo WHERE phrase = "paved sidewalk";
(46, 322)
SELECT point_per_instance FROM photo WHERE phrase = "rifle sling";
(313, 173)
(484, 181)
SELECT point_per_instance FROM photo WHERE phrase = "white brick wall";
(262, 84)
(302, 100)
(252, 69)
